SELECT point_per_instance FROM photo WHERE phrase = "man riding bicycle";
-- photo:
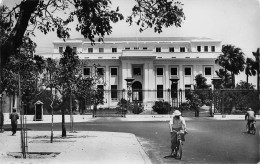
(177, 124)
(250, 117)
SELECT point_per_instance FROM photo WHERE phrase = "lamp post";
(129, 82)
(174, 87)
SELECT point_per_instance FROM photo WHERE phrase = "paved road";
(208, 141)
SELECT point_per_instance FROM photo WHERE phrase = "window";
(100, 71)
(174, 71)
(182, 49)
(198, 48)
(159, 91)
(159, 71)
(136, 48)
(187, 90)
(101, 50)
(74, 49)
(158, 49)
(212, 48)
(114, 92)
(114, 50)
(86, 71)
(127, 48)
(206, 49)
(145, 48)
(100, 89)
(137, 71)
(171, 49)
(90, 50)
(60, 49)
(113, 71)
(208, 71)
(187, 71)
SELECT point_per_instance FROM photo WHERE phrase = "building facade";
(154, 64)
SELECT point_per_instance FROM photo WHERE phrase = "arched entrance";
(137, 91)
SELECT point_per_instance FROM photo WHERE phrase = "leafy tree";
(66, 79)
(244, 85)
(250, 69)
(231, 60)
(225, 81)
(26, 67)
(201, 82)
(86, 87)
(257, 65)
(94, 18)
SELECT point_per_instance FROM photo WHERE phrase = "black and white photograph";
(129, 81)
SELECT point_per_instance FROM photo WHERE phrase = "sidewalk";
(81, 147)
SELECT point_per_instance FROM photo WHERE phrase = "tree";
(24, 66)
(231, 60)
(250, 69)
(86, 88)
(49, 81)
(94, 19)
(226, 80)
(201, 82)
(69, 68)
(257, 65)
(244, 85)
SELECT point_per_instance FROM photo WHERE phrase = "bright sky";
(235, 22)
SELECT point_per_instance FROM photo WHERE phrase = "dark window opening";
(207, 70)
(86, 71)
(159, 71)
(187, 71)
(137, 71)
(100, 71)
(198, 48)
(113, 71)
(159, 91)
(212, 48)
(158, 49)
(174, 71)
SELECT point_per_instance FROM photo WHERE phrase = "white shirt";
(178, 123)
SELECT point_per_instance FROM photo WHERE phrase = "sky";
(235, 22)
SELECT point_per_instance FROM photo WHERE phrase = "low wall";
(232, 117)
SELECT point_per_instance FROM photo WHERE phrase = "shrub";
(137, 109)
(161, 107)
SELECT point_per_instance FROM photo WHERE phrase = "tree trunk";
(63, 123)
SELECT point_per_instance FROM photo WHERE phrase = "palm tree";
(257, 65)
(250, 69)
(231, 60)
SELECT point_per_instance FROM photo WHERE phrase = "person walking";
(14, 117)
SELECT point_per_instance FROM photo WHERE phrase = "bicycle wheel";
(247, 129)
(179, 150)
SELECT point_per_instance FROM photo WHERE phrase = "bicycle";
(178, 149)
(252, 128)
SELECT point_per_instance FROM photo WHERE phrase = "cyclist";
(250, 117)
(178, 124)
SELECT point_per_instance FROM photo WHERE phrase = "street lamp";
(174, 87)
(129, 82)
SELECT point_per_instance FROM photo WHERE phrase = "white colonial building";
(150, 61)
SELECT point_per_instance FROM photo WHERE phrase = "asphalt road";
(208, 141)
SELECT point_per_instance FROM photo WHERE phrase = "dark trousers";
(14, 127)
